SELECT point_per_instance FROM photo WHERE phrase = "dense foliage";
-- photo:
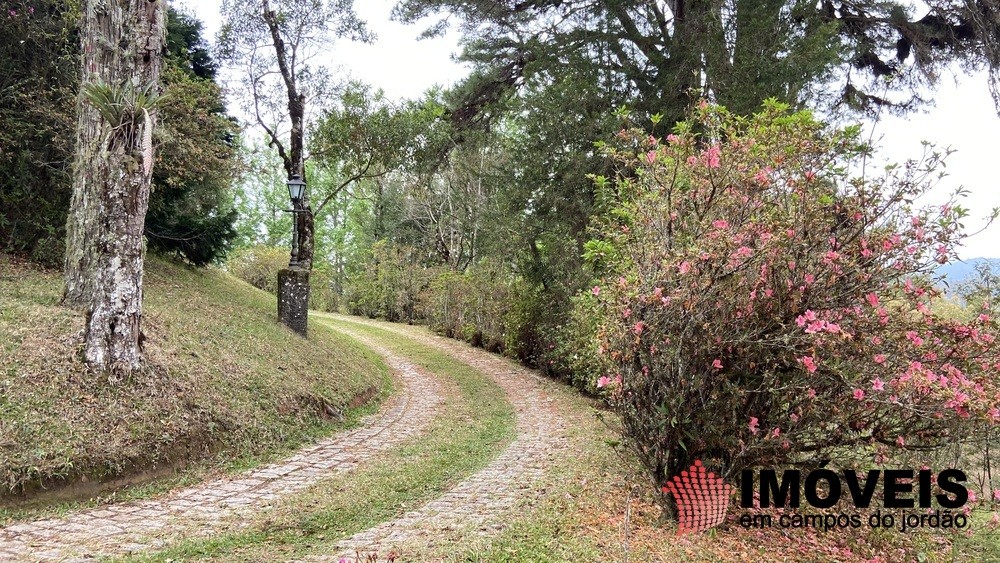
(546, 76)
(762, 306)
(38, 75)
(190, 210)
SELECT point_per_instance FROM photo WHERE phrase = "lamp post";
(296, 189)
(293, 282)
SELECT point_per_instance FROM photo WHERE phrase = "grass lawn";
(224, 382)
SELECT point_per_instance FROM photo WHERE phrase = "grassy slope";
(224, 378)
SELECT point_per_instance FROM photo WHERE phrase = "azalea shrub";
(764, 299)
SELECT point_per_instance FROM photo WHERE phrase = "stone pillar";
(293, 299)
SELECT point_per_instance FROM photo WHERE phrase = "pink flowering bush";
(760, 306)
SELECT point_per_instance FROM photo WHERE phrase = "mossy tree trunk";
(122, 46)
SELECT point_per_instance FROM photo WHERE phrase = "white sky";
(964, 117)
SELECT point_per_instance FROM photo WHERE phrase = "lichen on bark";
(122, 46)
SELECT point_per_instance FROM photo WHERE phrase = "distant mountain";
(957, 272)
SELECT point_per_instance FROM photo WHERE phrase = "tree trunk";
(294, 159)
(122, 45)
(307, 241)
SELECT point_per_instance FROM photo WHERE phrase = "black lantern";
(296, 189)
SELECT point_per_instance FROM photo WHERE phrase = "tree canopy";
(662, 55)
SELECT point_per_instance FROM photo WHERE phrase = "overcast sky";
(963, 118)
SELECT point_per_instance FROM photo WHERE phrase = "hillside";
(224, 380)
(955, 273)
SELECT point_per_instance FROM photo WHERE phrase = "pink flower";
(717, 364)
(810, 175)
(712, 156)
(720, 224)
(984, 318)
(776, 432)
(627, 313)
(596, 290)
(794, 417)
(859, 394)
(762, 178)
(604, 381)
(879, 358)
(692, 160)
(872, 300)
(684, 267)
(754, 425)
(673, 139)
(815, 326)
(810, 279)
(878, 384)
(914, 338)
(900, 442)
(808, 362)
(651, 157)
(639, 326)
(811, 393)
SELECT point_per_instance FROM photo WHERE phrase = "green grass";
(473, 426)
(984, 543)
(224, 383)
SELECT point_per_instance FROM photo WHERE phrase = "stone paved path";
(217, 504)
(483, 503)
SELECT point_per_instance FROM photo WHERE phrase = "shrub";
(763, 308)
(471, 305)
(388, 285)
(575, 352)
(259, 266)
